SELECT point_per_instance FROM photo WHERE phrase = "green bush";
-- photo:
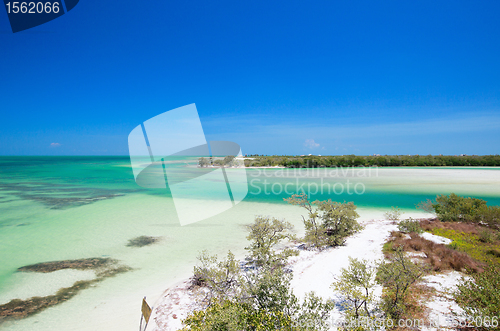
(491, 216)
(397, 275)
(257, 296)
(454, 208)
(409, 225)
(479, 296)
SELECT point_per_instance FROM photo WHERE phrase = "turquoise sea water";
(58, 208)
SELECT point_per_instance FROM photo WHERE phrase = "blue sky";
(277, 77)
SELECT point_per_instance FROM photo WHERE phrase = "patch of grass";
(142, 241)
(487, 236)
(470, 244)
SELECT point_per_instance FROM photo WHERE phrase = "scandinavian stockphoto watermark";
(311, 180)
(166, 152)
(170, 151)
(374, 323)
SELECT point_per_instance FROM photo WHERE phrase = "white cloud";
(55, 145)
(310, 143)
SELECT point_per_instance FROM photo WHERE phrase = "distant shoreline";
(318, 161)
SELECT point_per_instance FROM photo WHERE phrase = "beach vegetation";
(255, 295)
(331, 161)
(204, 162)
(397, 275)
(479, 297)
(394, 214)
(264, 234)
(221, 278)
(467, 239)
(356, 285)
(426, 206)
(487, 236)
(454, 208)
(328, 222)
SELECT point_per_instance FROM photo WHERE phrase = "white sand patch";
(436, 239)
(442, 309)
(175, 305)
(317, 271)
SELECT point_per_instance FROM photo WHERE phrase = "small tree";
(329, 223)
(221, 278)
(409, 225)
(397, 275)
(203, 162)
(338, 221)
(356, 284)
(393, 215)
(264, 234)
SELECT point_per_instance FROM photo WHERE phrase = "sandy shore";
(316, 271)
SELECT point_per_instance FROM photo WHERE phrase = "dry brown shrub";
(429, 224)
(439, 256)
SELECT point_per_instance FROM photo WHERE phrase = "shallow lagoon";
(64, 208)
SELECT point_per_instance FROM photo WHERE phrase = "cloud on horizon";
(55, 145)
(311, 144)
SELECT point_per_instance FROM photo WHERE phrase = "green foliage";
(356, 284)
(409, 225)
(491, 216)
(235, 316)
(329, 223)
(397, 275)
(454, 208)
(204, 162)
(262, 300)
(263, 235)
(270, 289)
(257, 296)
(313, 313)
(479, 296)
(221, 278)
(393, 215)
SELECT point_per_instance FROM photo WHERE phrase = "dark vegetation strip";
(104, 267)
(313, 161)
